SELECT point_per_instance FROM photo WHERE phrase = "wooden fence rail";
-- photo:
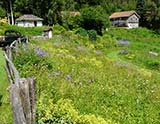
(22, 90)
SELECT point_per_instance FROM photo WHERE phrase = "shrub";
(92, 35)
(31, 57)
(57, 29)
(63, 112)
(153, 64)
(81, 31)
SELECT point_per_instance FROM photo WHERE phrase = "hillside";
(112, 80)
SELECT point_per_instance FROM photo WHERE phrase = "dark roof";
(123, 14)
(47, 29)
(29, 17)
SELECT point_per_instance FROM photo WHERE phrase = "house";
(129, 19)
(29, 20)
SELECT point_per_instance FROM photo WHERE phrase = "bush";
(63, 112)
(92, 35)
(31, 57)
(81, 31)
(153, 64)
(57, 29)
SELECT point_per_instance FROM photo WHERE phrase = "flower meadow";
(102, 82)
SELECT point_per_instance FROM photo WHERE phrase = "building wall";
(20, 24)
(133, 25)
(39, 23)
(29, 23)
(133, 21)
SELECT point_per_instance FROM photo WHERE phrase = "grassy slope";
(95, 83)
(5, 110)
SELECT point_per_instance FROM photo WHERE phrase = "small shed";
(29, 20)
(129, 19)
(47, 32)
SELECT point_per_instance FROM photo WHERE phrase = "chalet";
(129, 19)
(29, 21)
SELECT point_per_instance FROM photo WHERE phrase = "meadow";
(113, 80)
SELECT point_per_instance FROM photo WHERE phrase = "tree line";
(94, 12)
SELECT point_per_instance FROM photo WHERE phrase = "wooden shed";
(129, 19)
(47, 32)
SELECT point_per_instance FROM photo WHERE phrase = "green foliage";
(2, 12)
(63, 112)
(94, 18)
(5, 106)
(149, 12)
(82, 86)
(57, 29)
(81, 31)
(32, 56)
(71, 22)
(92, 35)
(31, 31)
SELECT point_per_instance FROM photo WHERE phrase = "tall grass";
(94, 77)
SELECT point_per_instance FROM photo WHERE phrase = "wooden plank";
(25, 98)
(32, 92)
(18, 114)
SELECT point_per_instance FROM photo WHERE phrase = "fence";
(22, 90)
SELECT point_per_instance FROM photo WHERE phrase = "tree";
(140, 8)
(2, 12)
(94, 18)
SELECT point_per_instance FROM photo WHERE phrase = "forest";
(99, 10)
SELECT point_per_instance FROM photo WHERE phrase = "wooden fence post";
(18, 113)
(22, 92)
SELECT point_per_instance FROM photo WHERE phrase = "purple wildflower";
(40, 52)
(68, 77)
(123, 42)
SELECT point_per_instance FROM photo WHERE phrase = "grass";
(5, 108)
(99, 82)
(31, 31)
(94, 77)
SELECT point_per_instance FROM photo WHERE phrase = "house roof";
(71, 13)
(123, 14)
(29, 17)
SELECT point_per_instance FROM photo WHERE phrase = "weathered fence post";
(22, 91)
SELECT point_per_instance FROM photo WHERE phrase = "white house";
(129, 19)
(29, 20)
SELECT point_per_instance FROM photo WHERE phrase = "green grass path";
(5, 108)
(114, 56)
